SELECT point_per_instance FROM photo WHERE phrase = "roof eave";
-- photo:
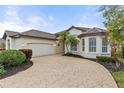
(93, 34)
(40, 37)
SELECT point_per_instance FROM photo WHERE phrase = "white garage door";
(41, 49)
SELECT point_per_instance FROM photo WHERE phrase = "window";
(74, 47)
(104, 45)
(92, 44)
(8, 43)
(83, 44)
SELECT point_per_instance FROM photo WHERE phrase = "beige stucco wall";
(23, 42)
(75, 32)
(7, 42)
(98, 52)
(86, 53)
(2, 45)
(59, 47)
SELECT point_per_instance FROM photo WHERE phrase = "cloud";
(11, 13)
(98, 14)
(84, 17)
(89, 25)
(37, 20)
(90, 20)
(11, 26)
(12, 21)
(51, 18)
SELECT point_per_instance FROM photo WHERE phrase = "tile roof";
(93, 31)
(32, 33)
(40, 34)
(46, 35)
(86, 30)
(82, 28)
(11, 33)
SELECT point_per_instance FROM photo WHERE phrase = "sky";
(48, 18)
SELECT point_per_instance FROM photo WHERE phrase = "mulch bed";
(11, 70)
(111, 67)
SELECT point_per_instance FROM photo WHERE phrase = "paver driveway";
(61, 71)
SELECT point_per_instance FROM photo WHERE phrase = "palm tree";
(67, 39)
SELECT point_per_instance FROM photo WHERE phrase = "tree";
(67, 39)
(114, 23)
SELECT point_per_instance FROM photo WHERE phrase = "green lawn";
(119, 77)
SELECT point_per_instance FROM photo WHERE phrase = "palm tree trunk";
(115, 55)
(67, 48)
(64, 47)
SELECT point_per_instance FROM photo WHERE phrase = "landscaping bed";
(11, 70)
(117, 73)
(111, 67)
(14, 61)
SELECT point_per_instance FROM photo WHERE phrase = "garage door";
(41, 49)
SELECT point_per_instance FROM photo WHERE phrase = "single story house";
(92, 42)
(41, 43)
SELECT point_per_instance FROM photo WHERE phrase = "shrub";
(12, 57)
(73, 55)
(120, 59)
(2, 49)
(27, 52)
(2, 70)
(68, 54)
(103, 59)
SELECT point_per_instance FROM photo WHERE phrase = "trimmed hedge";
(104, 59)
(12, 57)
(27, 52)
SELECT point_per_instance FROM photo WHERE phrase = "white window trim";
(92, 45)
(105, 46)
(8, 44)
(83, 44)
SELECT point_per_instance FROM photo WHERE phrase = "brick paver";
(60, 71)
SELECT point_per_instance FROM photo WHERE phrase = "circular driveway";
(61, 72)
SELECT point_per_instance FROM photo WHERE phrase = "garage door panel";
(41, 49)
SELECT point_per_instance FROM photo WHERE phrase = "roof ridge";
(100, 29)
(11, 31)
(82, 27)
(37, 31)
